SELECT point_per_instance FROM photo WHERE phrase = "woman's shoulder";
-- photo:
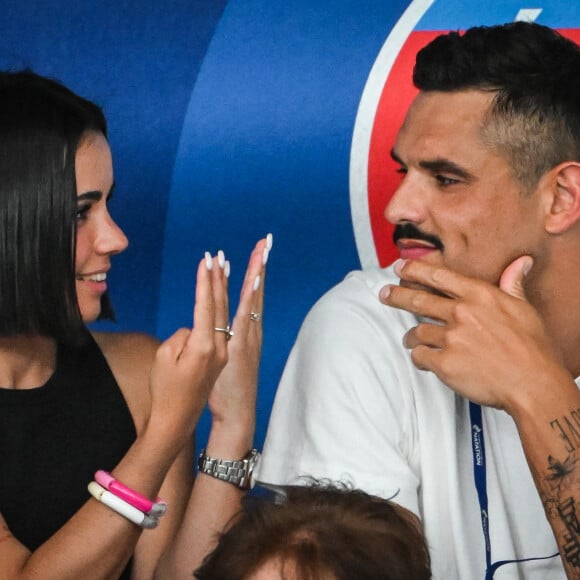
(129, 346)
(130, 356)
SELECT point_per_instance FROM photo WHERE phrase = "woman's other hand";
(232, 401)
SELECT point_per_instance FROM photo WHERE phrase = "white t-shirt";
(352, 407)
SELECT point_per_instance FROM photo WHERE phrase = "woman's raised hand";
(188, 363)
(232, 401)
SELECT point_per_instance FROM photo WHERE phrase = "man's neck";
(557, 299)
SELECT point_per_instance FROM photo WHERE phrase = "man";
(488, 226)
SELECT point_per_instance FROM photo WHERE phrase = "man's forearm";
(550, 435)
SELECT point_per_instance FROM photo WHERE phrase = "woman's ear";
(563, 183)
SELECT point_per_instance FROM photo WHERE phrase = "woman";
(73, 402)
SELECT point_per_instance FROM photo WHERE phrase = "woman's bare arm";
(232, 403)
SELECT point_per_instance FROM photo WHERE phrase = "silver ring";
(229, 333)
(255, 316)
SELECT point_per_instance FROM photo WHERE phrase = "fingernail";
(398, 265)
(256, 283)
(227, 269)
(221, 259)
(527, 266)
(384, 292)
(269, 241)
(208, 261)
(265, 256)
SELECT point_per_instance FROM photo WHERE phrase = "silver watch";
(238, 472)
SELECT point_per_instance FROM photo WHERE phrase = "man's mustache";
(411, 231)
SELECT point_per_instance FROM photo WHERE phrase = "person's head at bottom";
(320, 532)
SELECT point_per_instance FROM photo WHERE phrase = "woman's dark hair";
(535, 74)
(321, 532)
(42, 123)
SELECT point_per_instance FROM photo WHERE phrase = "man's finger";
(512, 279)
(428, 334)
(440, 279)
(419, 302)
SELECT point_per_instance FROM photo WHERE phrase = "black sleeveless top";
(53, 438)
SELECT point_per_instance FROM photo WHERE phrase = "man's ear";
(563, 183)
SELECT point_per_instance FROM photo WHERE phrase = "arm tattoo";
(563, 482)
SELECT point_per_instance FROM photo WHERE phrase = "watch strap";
(235, 471)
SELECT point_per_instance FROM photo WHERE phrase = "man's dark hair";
(321, 532)
(42, 123)
(535, 74)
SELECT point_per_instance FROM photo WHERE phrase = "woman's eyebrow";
(95, 195)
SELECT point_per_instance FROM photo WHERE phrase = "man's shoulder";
(355, 300)
(365, 284)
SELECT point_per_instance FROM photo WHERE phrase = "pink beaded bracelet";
(132, 497)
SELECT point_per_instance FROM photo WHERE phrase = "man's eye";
(442, 180)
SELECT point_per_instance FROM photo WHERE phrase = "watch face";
(252, 462)
(253, 458)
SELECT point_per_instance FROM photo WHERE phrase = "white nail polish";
(208, 261)
(256, 283)
(221, 259)
(227, 269)
(265, 256)
(269, 241)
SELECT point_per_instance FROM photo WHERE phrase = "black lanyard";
(479, 473)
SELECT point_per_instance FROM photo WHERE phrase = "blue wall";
(228, 120)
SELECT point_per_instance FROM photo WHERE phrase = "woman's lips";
(96, 282)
